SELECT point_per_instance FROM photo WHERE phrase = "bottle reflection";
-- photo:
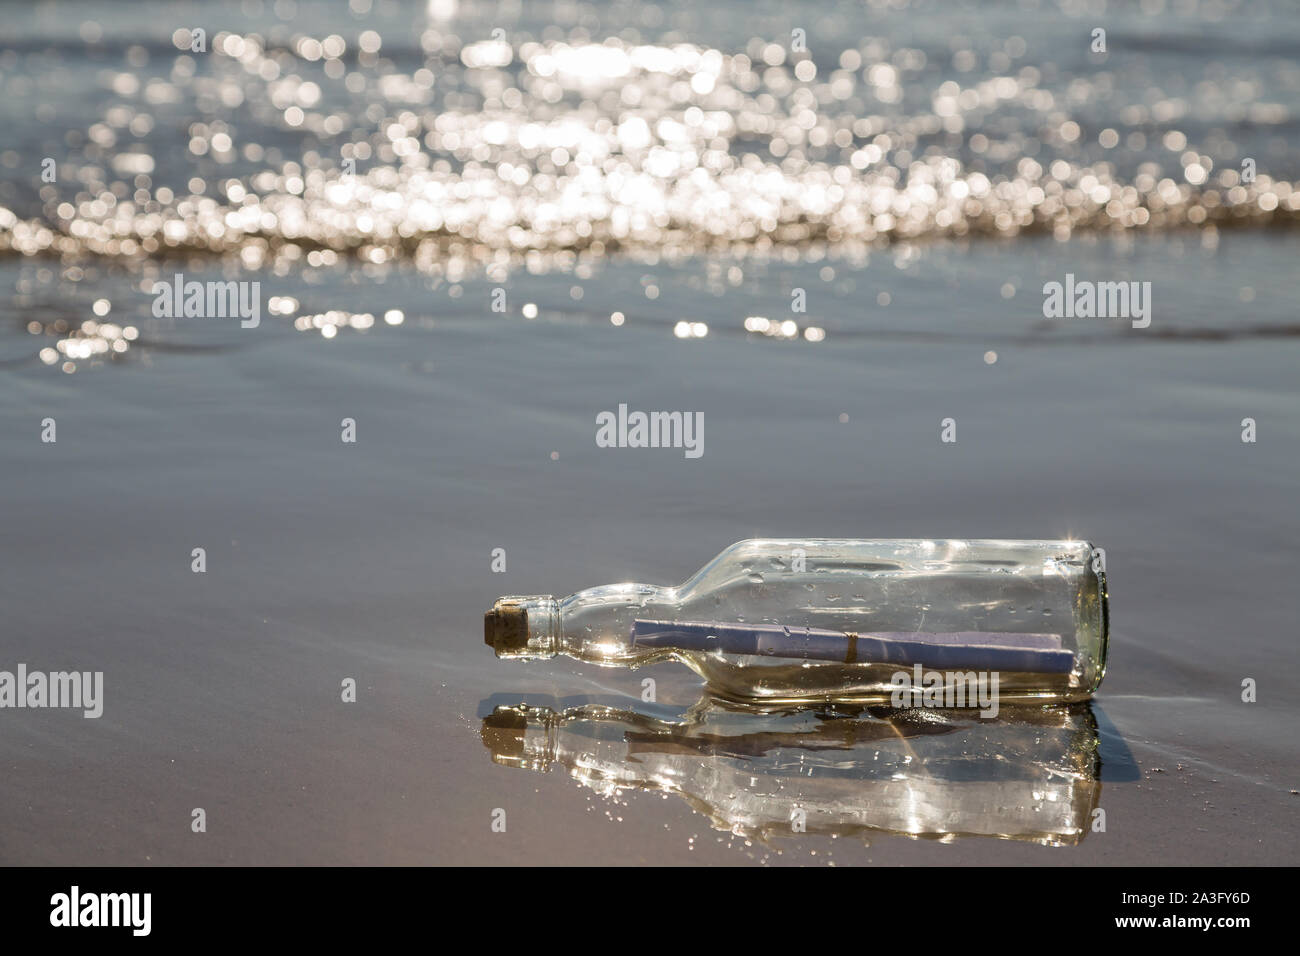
(1031, 774)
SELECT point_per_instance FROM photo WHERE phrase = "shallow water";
(475, 431)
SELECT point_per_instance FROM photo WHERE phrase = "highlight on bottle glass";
(844, 620)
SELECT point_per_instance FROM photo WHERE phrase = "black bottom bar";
(1063, 906)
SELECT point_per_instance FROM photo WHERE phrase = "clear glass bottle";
(840, 619)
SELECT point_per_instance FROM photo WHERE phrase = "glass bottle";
(867, 621)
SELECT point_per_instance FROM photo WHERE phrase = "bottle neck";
(523, 627)
(592, 625)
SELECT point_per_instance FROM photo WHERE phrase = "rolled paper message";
(1034, 653)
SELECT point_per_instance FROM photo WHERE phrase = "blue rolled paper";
(961, 650)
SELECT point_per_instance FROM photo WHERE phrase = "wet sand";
(372, 561)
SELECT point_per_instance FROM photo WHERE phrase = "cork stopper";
(503, 733)
(505, 628)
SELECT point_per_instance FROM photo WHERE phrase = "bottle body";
(789, 620)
